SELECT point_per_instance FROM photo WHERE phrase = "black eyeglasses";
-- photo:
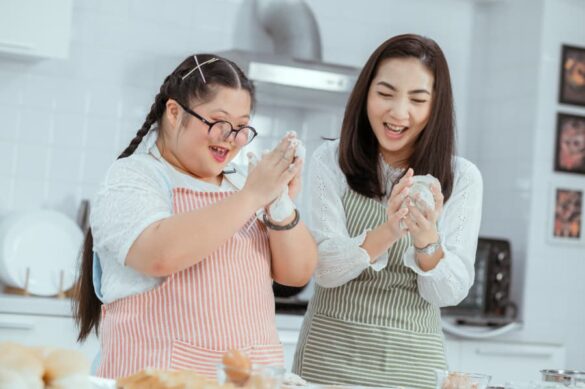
(222, 130)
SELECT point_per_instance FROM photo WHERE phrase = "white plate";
(46, 242)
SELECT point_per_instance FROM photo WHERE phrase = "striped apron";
(224, 301)
(375, 330)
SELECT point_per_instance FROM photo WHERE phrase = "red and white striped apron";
(224, 301)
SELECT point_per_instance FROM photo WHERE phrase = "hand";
(272, 173)
(422, 220)
(295, 185)
(394, 211)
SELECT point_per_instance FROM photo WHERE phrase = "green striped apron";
(375, 330)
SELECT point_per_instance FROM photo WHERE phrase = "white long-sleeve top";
(341, 257)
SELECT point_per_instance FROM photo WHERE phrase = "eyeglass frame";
(211, 124)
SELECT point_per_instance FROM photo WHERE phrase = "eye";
(418, 101)
(384, 94)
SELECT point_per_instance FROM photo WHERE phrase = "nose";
(399, 110)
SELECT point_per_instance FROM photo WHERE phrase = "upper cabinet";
(35, 28)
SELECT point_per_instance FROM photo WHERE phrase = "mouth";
(395, 129)
(219, 153)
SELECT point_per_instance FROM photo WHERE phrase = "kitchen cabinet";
(38, 321)
(35, 29)
(504, 361)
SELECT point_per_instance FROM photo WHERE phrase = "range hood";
(283, 80)
(294, 72)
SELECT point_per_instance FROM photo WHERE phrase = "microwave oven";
(488, 301)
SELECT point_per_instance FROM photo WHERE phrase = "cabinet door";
(50, 331)
(453, 353)
(507, 362)
(35, 28)
(289, 341)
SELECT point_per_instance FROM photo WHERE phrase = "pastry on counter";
(24, 367)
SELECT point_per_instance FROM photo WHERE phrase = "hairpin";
(199, 67)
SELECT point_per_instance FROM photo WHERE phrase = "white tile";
(11, 86)
(64, 196)
(6, 195)
(29, 193)
(95, 165)
(65, 164)
(102, 133)
(10, 122)
(69, 130)
(32, 161)
(7, 159)
(36, 126)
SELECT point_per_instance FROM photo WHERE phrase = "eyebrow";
(390, 86)
(227, 113)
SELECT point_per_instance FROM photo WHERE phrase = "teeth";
(398, 129)
(219, 150)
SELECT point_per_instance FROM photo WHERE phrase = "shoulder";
(467, 180)
(326, 158)
(138, 169)
(466, 170)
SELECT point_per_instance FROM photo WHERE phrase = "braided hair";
(185, 83)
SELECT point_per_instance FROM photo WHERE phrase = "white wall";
(65, 121)
(554, 305)
(503, 102)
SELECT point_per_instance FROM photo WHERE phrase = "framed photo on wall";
(570, 144)
(567, 225)
(572, 85)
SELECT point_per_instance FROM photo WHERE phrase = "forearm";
(180, 241)
(294, 255)
(378, 241)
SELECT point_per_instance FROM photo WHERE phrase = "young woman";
(384, 269)
(175, 253)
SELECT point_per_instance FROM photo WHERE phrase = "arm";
(341, 257)
(446, 281)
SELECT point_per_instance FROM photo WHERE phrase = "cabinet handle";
(513, 354)
(16, 45)
(13, 325)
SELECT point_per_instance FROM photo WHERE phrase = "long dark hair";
(183, 84)
(434, 148)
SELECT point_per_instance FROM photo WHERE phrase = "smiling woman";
(177, 268)
(387, 260)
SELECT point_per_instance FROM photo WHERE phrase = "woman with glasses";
(177, 269)
(387, 261)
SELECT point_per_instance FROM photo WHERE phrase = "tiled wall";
(515, 104)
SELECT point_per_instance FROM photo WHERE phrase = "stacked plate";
(39, 251)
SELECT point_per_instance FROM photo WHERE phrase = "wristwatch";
(429, 249)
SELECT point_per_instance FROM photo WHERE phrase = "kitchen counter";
(32, 305)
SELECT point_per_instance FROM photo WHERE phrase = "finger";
(396, 201)
(399, 215)
(437, 195)
(417, 216)
(290, 172)
(404, 182)
(276, 154)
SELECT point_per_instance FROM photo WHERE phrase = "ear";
(174, 112)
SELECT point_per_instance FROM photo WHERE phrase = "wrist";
(428, 249)
(249, 200)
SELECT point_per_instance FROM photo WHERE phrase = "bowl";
(565, 377)
(258, 377)
(461, 380)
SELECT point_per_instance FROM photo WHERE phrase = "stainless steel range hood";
(294, 73)
(291, 81)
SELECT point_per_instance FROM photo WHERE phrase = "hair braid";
(156, 112)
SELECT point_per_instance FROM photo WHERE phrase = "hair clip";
(199, 67)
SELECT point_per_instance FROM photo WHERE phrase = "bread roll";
(24, 362)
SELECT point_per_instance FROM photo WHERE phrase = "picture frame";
(572, 72)
(570, 144)
(566, 216)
